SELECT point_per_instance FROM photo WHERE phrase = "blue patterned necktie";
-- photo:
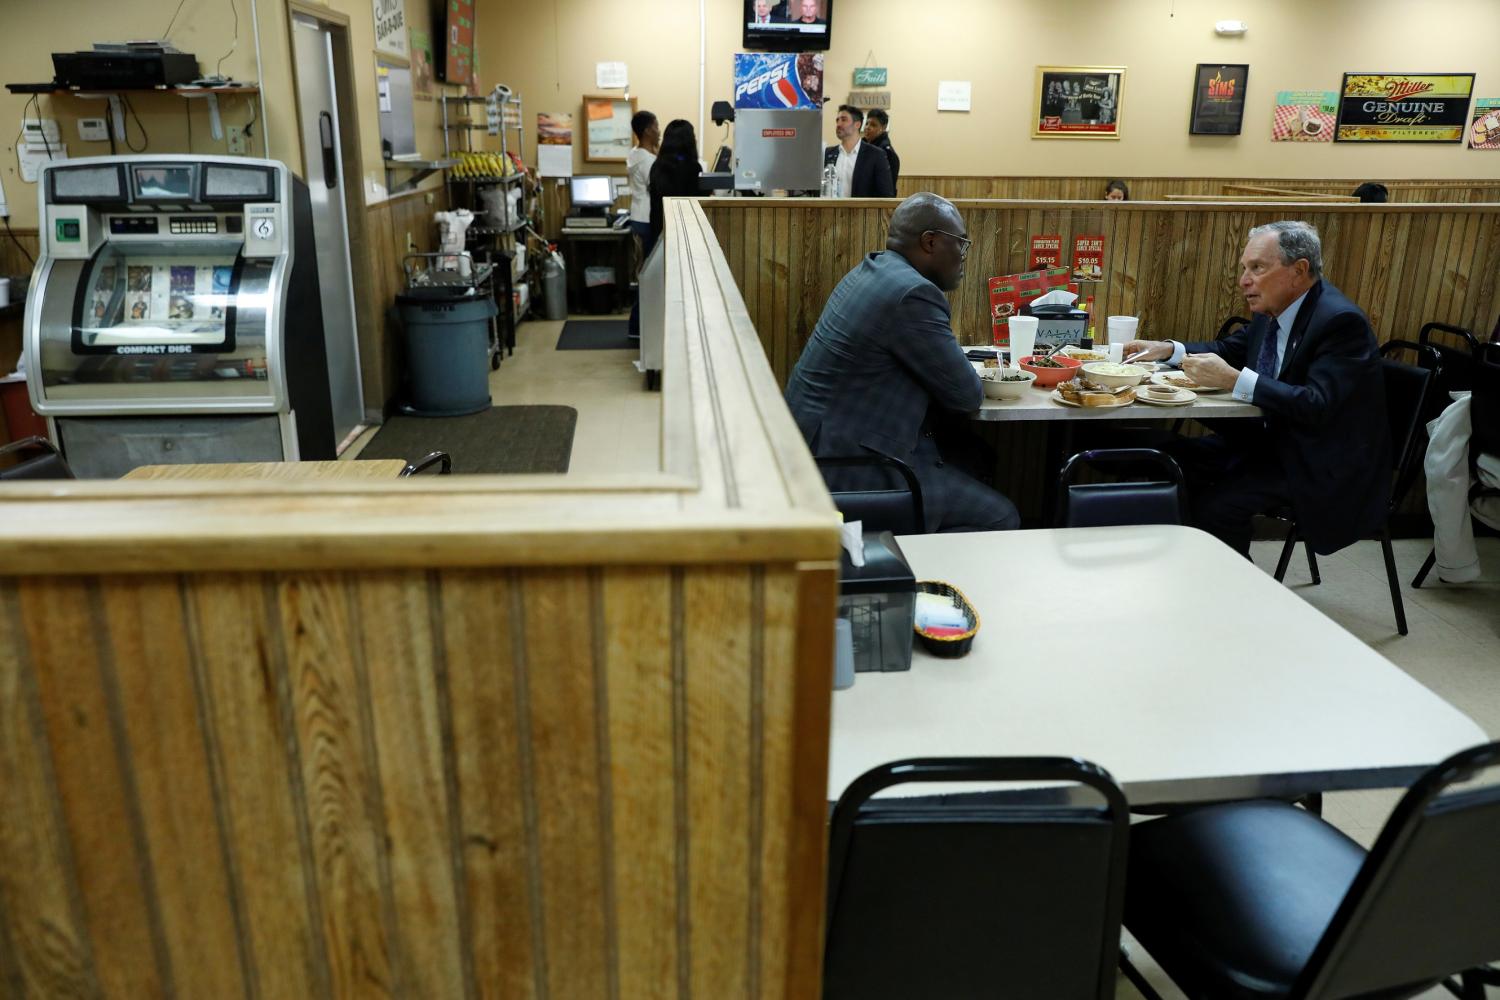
(1266, 363)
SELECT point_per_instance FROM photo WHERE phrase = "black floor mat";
(596, 335)
(507, 439)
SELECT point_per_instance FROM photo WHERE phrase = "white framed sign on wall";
(390, 27)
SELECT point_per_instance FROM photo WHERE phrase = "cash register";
(174, 316)
(591, 198)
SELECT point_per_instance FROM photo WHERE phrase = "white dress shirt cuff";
(1244, 386)
(1179, 351)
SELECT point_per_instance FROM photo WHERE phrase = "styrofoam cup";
(1116, 350)
(1022, 337)
(1121, 328)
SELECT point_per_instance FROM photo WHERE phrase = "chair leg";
(1390, 577)
(1417, 580)
(1312, 562)
(1286, 552)
(1136, 979)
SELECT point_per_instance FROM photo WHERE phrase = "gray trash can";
(554, 287)
(447, 351)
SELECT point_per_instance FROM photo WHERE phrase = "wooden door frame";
(367, 321)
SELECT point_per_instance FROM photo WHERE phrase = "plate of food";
(1165, 395)
(1084, 355)
(1180, 380)
(1079, 392)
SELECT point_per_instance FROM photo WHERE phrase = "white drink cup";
(1116, 350)
(1121, 329)
(1022, 337)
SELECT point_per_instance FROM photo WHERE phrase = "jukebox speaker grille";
(247, 183)
(87, 183)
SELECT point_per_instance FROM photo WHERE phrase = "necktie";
(1266, 363)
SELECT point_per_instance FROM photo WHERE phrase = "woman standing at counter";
(675, 172)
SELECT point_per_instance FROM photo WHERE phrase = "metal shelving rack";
(458, 138)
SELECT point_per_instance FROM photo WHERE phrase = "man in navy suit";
(1309, 361)
(863, 170)
(882, 368)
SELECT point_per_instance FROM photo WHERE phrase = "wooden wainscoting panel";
(44, 942)
(1485, 189)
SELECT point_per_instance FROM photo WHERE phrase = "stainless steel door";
(318, 104)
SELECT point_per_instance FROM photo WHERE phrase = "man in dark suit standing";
(1309, 361)
(877, 133)
(863, 170)
(883, 366)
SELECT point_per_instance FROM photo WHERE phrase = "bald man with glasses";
(883, 368)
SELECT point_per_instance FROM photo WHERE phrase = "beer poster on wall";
(1484, 130)
(1046, 253)
(1218, 99)
(1404, 107)
(1304, 116)
(1088, 258)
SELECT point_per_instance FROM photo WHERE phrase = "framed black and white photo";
(1078, 102)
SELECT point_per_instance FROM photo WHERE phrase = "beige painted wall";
(546, 49)
(36, 28)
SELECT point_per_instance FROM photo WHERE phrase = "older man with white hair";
(1309, 360)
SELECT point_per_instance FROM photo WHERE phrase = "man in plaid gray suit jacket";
(882, 364)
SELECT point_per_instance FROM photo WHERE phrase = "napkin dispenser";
(879, 601)
(1058, 324)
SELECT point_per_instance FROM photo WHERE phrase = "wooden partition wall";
(1173, 265)
(1158, 188)
(528, 736)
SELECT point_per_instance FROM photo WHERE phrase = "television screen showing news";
(787, 25)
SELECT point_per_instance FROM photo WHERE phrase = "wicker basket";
(949, 645)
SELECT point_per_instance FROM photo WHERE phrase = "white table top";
(1037, 404)
(1156, 653)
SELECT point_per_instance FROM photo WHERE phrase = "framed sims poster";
(1218, 99)
(1078, 102)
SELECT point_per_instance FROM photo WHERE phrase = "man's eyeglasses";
(963, 244)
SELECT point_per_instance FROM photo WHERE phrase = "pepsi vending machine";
(778, 121)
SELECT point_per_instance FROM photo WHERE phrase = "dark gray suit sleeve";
(923, 341)
(1345, 351)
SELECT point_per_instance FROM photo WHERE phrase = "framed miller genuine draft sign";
(1078, 102)
(1218, 99)
(1404, 107)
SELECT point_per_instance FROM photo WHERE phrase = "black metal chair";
(1231, 325)
(884, 509)
(1457, 360)
(1157, 500)
(1484, 438)
(433, 458)
(1014, 894)
(1407, 389)
(1260, 899)
(34, 458)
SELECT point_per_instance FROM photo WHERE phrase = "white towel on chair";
(1447, 469)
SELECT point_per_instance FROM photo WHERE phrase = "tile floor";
(1454, 641)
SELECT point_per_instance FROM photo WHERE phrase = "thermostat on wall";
(92, 130)
(1230, 27)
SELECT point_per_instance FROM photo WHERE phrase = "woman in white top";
(638, 170)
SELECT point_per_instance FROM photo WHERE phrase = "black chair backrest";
(1457, 360)
(36, 458)
(1484, 415)
(1230, 325)
(1407, 390)
(871, 499)
(1426, 903)
(1153, 500)
(982, 895)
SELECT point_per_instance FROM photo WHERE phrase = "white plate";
(1057, 398)
(1183, 398)
(1160, 378)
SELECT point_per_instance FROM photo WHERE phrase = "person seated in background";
(1116, 190)
(882, 365)
(675, 172)
(1372, 193)
(877, 126)
(1308, 359)
(863, 170)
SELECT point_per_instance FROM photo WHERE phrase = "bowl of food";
(1084, 355)
(1005, 383)
(1050, 371)
(1164, 393)
(1112, 374)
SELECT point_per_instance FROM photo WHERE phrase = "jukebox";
(175, 314)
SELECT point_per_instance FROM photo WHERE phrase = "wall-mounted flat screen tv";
(788, 25)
